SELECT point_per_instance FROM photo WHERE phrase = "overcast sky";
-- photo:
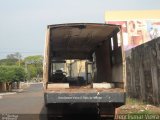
(23, 22)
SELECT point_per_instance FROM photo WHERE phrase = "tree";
(34, 66)
(12, 73)
(37, 59)
(12, 59)
(18, 74)
(3, 71)
(8, 61)
(16, 55)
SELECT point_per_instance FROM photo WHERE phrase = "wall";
(143, 72)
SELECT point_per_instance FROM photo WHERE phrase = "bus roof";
(78, 40)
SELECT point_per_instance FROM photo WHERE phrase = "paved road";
(30, 102)
(28, 105)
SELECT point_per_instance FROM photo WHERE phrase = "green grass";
(141, 115)
(142, 112)
(136, 114)
(133, 101)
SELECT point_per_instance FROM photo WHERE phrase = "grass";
(133, 101)
(138, 110)
(143, 115)
(144, 112)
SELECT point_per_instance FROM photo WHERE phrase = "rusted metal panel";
(79, 41)
(103, 62)
(101, 97)
(72, 41)
(58, 85)
(46, 61)
(103, 85)
(84, 90)
(115, 42)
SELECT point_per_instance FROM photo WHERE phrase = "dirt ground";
(134, 106)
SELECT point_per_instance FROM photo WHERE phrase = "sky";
(23, 22)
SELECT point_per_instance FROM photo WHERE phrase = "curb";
(17, 90)
(7, 93)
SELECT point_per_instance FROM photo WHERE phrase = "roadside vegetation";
(138, 110)
(14, 69)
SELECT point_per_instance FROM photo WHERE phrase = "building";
(137, 26)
